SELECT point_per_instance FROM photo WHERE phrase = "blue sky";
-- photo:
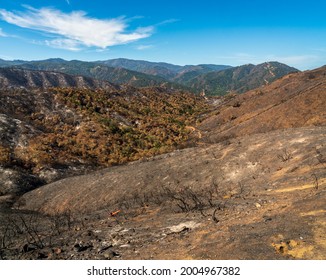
(180, 32)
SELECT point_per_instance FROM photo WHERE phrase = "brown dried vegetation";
(101, 128)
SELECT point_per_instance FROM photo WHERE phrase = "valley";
(90, 169)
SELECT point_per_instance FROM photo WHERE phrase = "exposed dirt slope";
(295, 100)
(268, 191)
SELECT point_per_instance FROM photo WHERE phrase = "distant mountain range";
(24, 78)
(213, 79)
(95, 71)
(239, 79)
(168, 71)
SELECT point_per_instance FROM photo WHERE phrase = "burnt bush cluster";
(100, 128)
(178, 199)
(23, 234)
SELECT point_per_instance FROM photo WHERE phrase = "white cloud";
(75, 29)
(168, 21)
(2, 34)
(319, 49)
(239, 58)
(302, 62)
(295, 59)
(66, 44)
(144, 47)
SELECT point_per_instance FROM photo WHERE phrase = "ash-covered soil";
(256, 197)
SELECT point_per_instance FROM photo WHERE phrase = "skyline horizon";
(209, 32)
(150, 61)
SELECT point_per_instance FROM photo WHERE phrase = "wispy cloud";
(2, 34)
(76, 30)
(302, 61)
(168, 21)
(144, 47)
(294, 60)
(240, 58)
(319, 49)
(66, 44)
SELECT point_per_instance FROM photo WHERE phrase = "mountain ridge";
(239, 79)
(163, 69)
(297, 98)
(23, 78)
(96, 71)
(211, 78)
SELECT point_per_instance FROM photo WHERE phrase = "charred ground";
(252, 186)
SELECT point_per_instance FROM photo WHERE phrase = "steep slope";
(236, 200)
(239, 79)
(15, 77)
(295, 100)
